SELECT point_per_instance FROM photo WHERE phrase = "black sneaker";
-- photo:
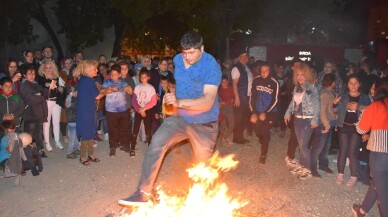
(316, 175)
(43, 154)
(112, 152)
(136, 199)
(327, 170)
(356, 210)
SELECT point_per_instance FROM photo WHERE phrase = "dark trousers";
(292, 142)
(241, 120)
(36, 131)
(262, 130)
(147, 125)
(378, 190)
(63, 128)
(348, 148)
(119, 129)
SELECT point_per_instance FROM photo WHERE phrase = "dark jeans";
(262, 130)
(326, 142)
(292, 142)
(378, 190)
(36, 131)
(119, 129)
(316, 147)
(63, 128)
(147, 125)
(303, 133)
(241, 120)
(348, 148)
(173, 130)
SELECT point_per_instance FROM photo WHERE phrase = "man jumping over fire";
(197, 77)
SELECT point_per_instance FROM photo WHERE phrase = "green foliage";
(15, 22)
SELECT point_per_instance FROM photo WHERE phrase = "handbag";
(100, 104)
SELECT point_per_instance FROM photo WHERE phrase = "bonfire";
(207, 197)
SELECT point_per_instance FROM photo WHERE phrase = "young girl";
(349, 109)
(143, 100)
(305, 108)
(117, 111)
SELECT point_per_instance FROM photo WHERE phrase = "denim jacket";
(310, 103)
(341, 108)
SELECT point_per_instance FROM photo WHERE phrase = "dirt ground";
(67, 188)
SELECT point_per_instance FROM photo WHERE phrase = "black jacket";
(36, 106)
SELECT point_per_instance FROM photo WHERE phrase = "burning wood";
(205, 198)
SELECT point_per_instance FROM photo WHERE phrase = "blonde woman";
(49, 79)
(87, 94)
(304, 106)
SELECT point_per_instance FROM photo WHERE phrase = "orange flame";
(206, 198)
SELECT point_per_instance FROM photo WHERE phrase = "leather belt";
(304, 116)
(52, 99)
(208, 124)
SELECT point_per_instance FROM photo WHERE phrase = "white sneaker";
(297, 170)
(106, 136)
(305, 174)
(292, 163)
(94, 144)
(100, 132)
(48, 147)
(59, 145)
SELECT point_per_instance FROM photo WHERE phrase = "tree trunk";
(120, 29)
(42, 18)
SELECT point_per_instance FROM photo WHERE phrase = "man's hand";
(324, 131)
(336, 100)
(170, 99)
(313, 126)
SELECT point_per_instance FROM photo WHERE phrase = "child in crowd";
(143, 100)
(117, 111)
(163, 88)
(226, 97)
(6, 147)
(33, 160)
(11, 104)
(71, 113)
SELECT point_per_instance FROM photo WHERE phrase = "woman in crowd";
(305, 108)
(375, 120)
(87, 95)
(49, 79)
(349, 109)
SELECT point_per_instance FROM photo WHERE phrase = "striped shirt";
(375, 119)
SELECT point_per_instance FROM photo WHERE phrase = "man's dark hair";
(116, 68)
(328, 80)
(191, 39)
(28, 67)
(5, 80)
(48, 46)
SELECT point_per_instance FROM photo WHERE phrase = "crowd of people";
(79, 102)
